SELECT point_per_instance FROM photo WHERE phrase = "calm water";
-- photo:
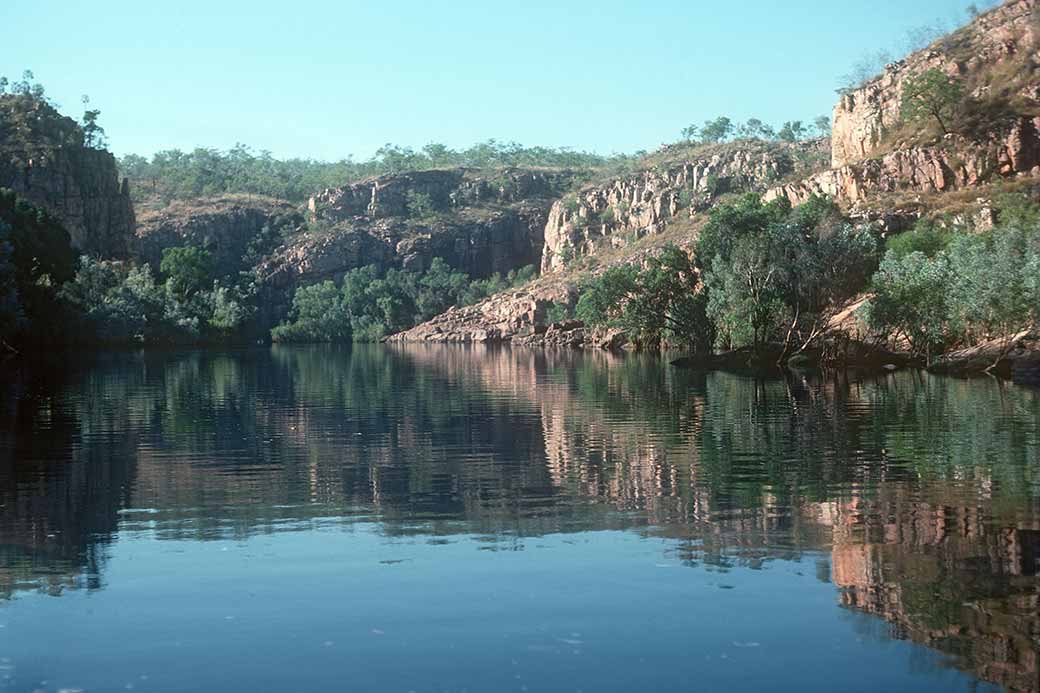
(449, 519)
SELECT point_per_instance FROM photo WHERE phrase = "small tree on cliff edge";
(931, 94)
(93, 134)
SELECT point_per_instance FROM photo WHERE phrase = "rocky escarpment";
(997, 54)
(627, 208)
(43, 159)
(956, 163)
(478, 223)
(230, 227)
(398, 195)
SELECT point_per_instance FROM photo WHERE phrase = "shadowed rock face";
(42, 158)
(1005, 35)
(225, 226)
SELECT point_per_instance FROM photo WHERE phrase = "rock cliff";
(616, 212)
(230, 227)
(42, 158)
(477, 222)
(996, 54)
(956, 163)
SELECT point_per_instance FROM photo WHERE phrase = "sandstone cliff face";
(447, 191)
(642, 204)
(477, 223)
(42, 158)
(955, 164)
(225, 226)
(1007, 36)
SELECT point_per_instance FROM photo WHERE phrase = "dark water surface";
(449, 519)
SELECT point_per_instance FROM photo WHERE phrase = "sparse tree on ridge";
(93, 134)
(931, 94)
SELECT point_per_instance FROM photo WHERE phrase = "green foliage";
(319, 314)
(822, 125)
(976, 287)
(770, 271)
(722, 128)
(755, 129)
(114, 303)
(419, 204)
(606, 217)
(26, 86)
(175, 174)
(660, 302)
(910, 298)
(37, 257)
(559, 312)
(372, 303)
(931, 94)
(717, 130)
(93, 134)
(11, 316)
(924, 238)
(792, 131)
(1018, 210)
(188, 270)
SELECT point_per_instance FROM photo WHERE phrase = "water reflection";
(917, 497)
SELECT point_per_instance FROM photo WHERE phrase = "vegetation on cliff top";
(173, 174)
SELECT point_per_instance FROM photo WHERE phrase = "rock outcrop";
(480, 224)
(1006, 37)
(505, 317)
(957, 163)
(230, 227)
(628, 208)
(43, 159)
(442, 190)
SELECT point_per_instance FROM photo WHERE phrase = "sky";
(327, 79)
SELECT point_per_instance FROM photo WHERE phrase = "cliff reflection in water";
(923, 492)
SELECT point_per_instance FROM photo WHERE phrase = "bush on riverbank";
(371, 303)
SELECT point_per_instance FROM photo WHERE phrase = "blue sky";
(331, 78)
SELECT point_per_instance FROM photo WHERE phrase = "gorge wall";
(988, 53)
(478, 223)
(44, 160)
(627, 208)
(229, 227)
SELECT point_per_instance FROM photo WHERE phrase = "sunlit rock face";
(1004, 36)
(958, 163)
(612, 214)
(43, 159)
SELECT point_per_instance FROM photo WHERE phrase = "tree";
(792, 131)
(716, 130)
(910, 299)
(660, 302)
(990, 296)
(822, 125)
(93, 134)
(11, 315)
(188, 270)
(771, 272)
(690, 132)
(931, 94)
(319, 314)
(755, 129)
(419, 204)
